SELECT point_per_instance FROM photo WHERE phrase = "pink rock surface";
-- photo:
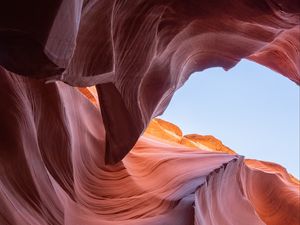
(68, 158)
(139, 53)
(53, 171)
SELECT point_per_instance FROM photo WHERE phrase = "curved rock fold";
(82, 80)
(143, 46)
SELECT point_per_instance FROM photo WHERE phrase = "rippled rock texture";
(76, 156)
(131, 48)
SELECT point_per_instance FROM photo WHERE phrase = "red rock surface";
(53, 171)
(68, 158)
(130, 48)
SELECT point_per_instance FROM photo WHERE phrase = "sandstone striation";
(80, 82)
(130, 48)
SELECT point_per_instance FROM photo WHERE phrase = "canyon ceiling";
(80, 84)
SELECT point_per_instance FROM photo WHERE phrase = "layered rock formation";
(130, 48)
(53, 170)
(70, 155)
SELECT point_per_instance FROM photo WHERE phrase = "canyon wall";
(80, 83)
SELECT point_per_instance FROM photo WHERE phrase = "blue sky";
(250, 108)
